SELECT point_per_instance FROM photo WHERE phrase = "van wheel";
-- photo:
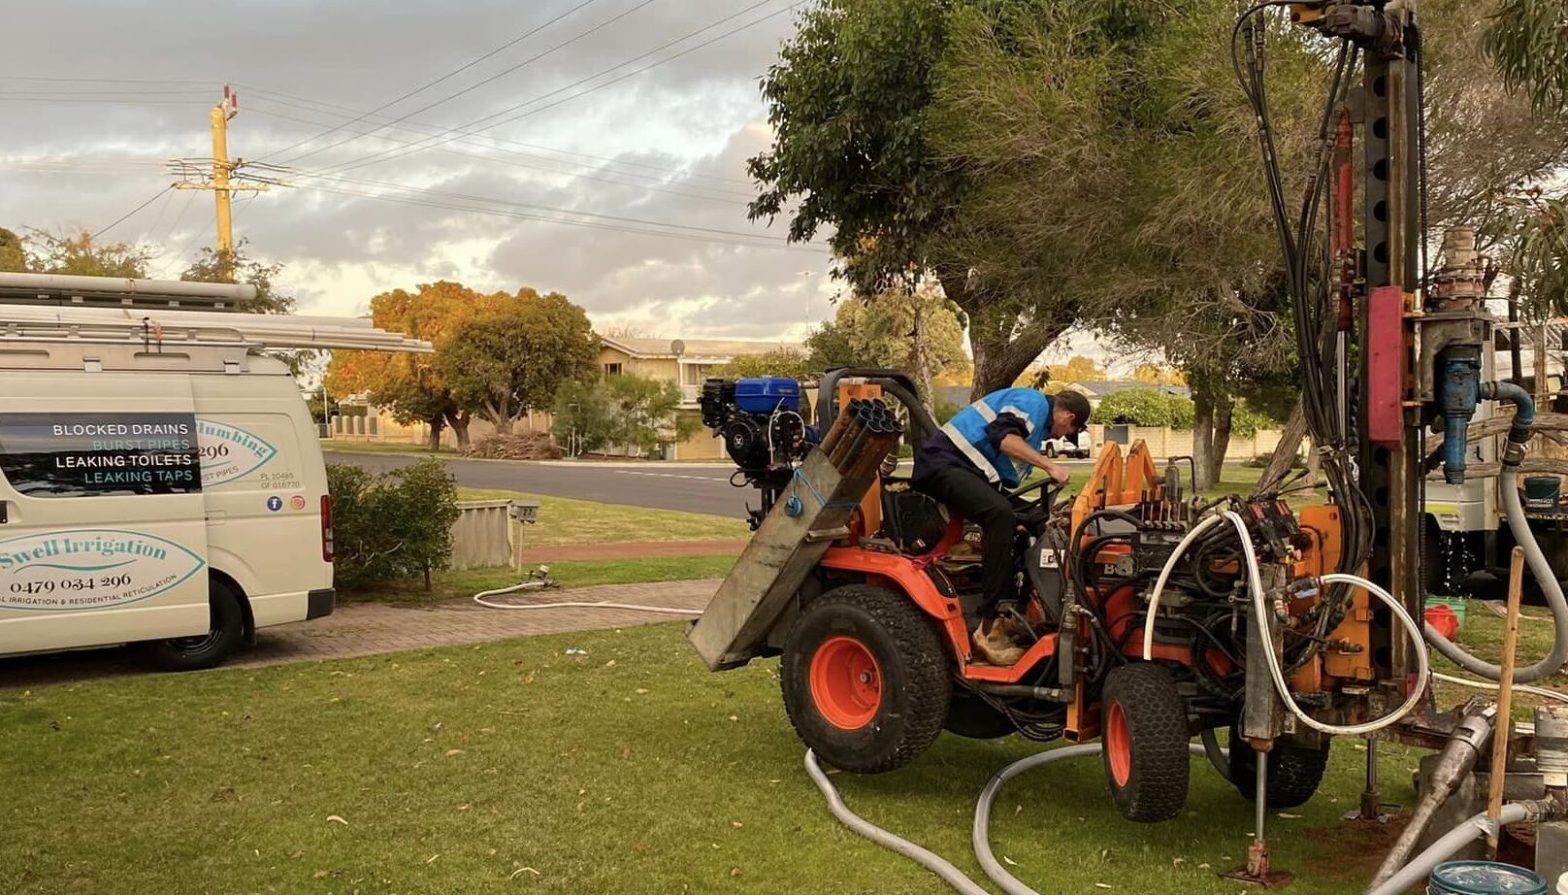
(209, 649)
(1050, 451)
(865, 679)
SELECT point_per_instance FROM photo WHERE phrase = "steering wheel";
(1039, 511)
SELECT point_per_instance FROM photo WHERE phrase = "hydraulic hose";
(1260, 611)
(1165, 574)
(924, 857)
(1513, 510)
(1422, 865)
(981, 836)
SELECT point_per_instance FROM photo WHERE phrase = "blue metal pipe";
(1457, 396)
(1524, 413)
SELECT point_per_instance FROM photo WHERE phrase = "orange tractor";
(875, 637)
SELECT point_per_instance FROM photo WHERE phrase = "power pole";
(218, 173)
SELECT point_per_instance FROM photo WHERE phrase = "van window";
(99, 454)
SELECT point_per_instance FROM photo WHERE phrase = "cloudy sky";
(553, 163)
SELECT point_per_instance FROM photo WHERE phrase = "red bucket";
(1443, 620)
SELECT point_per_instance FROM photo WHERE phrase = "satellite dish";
(677, 347)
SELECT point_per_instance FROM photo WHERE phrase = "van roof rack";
(60, 290)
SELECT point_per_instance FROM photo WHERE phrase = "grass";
(379, 447)
(563, 520)
(1483, 636)
(512, 767)
(576, 573)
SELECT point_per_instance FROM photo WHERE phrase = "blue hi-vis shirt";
(974, 435)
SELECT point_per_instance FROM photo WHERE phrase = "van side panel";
(263, 481)
(103, 538)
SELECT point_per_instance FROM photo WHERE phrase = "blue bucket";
(1484, 878)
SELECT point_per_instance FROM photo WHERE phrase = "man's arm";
(1018, 449)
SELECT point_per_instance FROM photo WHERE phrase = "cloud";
(670, 145)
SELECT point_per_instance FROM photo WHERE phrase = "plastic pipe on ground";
(1422, 865)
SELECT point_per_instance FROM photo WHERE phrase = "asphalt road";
(695, 489)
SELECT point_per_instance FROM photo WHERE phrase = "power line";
(422, 88)
(529, 61)
(737, 239)
(99, 80)
(478, 126)
(731, 198)
(327, 108)
(113, 102)
(121, 219)
(536, 208)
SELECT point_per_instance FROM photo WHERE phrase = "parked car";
(1066, 447)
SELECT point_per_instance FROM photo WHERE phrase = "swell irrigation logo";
(90, 569)
(229, 452)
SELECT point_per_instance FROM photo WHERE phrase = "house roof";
(1099, 388)
(716, 348)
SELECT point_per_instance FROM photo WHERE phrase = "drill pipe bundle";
(861, 436)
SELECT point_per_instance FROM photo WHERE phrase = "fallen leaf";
(522, 870)
(319, 874)
(734, 871)
(1010, 861)
(1205, 867)
(464, 807)
(1177, 862)
(1103, 886)
(334, 819)
(641, 690)
(734, 718)
(432, 858)
(610, 664)
(452, 752)
(736, 824)
(1290, 816)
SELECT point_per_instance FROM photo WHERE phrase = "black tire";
(204, 650)
(1295, 771)
(910, 676)
(972, 717)
(1144, 733)
(1050, 451)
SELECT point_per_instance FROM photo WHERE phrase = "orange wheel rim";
(1118, 745)
(846, 683)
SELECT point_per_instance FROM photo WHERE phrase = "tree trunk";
(1285, 453)
(459, 422)
(1202, 438)
(436, 423)
(922, 362)
(1224, 416)
(1002, 348)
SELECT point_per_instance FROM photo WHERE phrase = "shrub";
(1145, 407)
(520, 446)
(395, 525)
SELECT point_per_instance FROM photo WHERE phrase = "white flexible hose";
(482, 599)
(1260, 610)
(1493, 686)
(1165, 573)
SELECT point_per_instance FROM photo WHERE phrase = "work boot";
(997, 642)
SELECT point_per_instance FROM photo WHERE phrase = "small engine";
(763, 431)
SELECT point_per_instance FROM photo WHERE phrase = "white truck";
(161, 481)
(1464, 532)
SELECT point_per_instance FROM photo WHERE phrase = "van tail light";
(328, 545)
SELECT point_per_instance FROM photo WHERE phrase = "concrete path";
(363, 629)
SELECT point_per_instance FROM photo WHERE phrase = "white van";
(162, 481)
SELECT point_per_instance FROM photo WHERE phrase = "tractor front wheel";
(865, 679)
(1144, 739)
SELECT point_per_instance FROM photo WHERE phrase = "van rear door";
(102, 522)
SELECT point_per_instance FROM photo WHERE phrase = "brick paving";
(363, 629)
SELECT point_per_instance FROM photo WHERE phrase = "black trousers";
(964, 492)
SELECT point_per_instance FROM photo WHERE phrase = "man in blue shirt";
(984, 448)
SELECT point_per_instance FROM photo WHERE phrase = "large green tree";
(72, 252)
(514, 358)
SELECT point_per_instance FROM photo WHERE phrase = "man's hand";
(1018, 449)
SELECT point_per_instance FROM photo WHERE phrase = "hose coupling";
(1513, 453)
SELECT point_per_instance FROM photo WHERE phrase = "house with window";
(686, 362)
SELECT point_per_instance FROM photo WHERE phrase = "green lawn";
(563, 520)
(380, 447)
(514, 767)
(576, 573)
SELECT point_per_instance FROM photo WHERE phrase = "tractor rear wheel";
(1295, 770)
(865, 679)
(1144, 739)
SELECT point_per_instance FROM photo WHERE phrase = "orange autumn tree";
(411, 386)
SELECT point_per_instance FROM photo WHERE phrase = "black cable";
(124, 217)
